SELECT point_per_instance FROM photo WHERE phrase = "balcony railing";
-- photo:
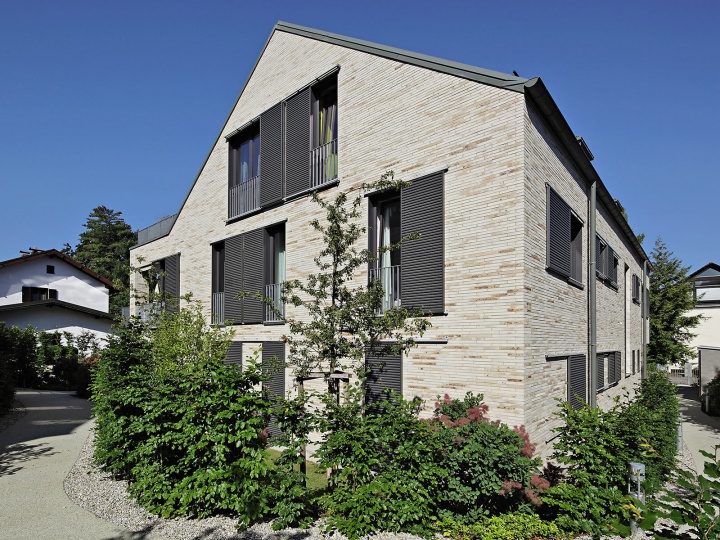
(389, 277)
(148, 311)
(324, 164)
(274, 311)
(244, 198)
(218, 308)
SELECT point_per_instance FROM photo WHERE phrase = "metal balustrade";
(218, 308)
(389, 277)
(148, 311)
(244, 198)
(324, 164)
(274, 311)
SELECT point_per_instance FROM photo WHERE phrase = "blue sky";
(118, 103)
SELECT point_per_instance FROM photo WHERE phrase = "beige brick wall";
(556, 313)
(504, 311)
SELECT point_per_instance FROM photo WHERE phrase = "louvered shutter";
(600, 257)
(385, 375)
(576, 380)
(273, 363)
(600, 371)
(422, 272)
(558, 234)
(172, 282)
(253, 275)
(297, 143)
(618, 366)
(234, 353)
(233, 279)
(271, 155)
(612, 375)
(612, 267)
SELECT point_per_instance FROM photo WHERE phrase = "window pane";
(279, 257)
(390, 232)
(256, 156)
(245, 161)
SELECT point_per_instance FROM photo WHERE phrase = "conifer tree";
(671, 297)
(104, 247)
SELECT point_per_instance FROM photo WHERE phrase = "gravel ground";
(97, 492)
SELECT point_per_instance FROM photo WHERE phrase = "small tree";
(671, 297)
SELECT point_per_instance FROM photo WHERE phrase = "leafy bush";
(490, 467)
(504, 527)
(18, 347)
(7, 389)
(713, 391)
(385, 470)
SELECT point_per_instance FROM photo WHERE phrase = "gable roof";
(708, 266)
(533, 88)
(54, 253)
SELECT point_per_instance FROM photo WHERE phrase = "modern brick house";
(508, 204)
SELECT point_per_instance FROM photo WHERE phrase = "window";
(36, 294)
(324, 122)
(218, 283)
(636, 289)
(387, 229)
(601, 358)
(606, 262)
(254, 265)
(414, 275)
(275, 273)
(244, 172)
(273, 364)
(163, 281)
(50, 269)
(564, 239)
(633, 362)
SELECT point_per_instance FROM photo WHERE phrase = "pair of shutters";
(245, 271)
(273, 363)
(605, 261)
(577, 376)
(385, 375)
(614, 368)
(285, 144)
(234, 354)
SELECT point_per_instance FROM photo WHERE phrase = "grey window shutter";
(253, 276)
(172, 282)
(385, 375)
(558, 234)
(600, 371)
(576, 380)
(422, 272)
(618, 366)
(273, 363)
(233, 278)
(612, 375)
(297, 143)
(234, 353)
(600, 257)
(271, 155)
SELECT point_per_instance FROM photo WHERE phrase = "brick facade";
(504, 312)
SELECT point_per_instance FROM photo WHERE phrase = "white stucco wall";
(72, 285)
(57, 318)
(708, 331)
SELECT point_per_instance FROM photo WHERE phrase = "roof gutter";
(540, 96)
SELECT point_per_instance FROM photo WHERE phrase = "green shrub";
(713, 392)
(7, 389)
(385, 471)
(490, 467)
(504, 527)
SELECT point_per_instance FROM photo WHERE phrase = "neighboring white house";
(706, 288)
(50, 291)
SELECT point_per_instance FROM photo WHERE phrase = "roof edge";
(62, 256)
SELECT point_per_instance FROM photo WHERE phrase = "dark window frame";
(38, 294)
(50, 269)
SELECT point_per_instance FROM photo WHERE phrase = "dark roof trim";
(54, 253)
(466, 71)
(708, 266)
(57, 303)
(535, 89)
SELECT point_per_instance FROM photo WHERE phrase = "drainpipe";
(592, 307)
(645, 321)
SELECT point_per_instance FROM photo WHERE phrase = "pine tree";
(105, 249)
(671, 297)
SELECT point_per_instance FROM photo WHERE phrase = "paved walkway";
(700, 431)
(36, 454)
